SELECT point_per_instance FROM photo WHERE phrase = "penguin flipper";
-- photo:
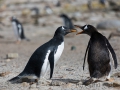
(113, 53)
(51, 61)
(86, 54)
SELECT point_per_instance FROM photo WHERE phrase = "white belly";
(58, 52)
(15, 29)
(45, 64)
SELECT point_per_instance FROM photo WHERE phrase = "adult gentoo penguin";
(99, 53)
(45, 57)
(18, 29)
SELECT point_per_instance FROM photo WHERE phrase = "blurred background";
(35, 15)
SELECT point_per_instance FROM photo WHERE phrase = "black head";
(12, 18)
(62, 31)
(63, 16)
(87, 29)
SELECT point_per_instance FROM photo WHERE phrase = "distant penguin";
(18, 29)
(67, 21)
(99, 54)
(102, 2)
(35, 14)
(45, 57)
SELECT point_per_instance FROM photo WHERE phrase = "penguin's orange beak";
(73, 30)
(79, 27)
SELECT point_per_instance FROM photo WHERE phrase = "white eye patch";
(63, 27)
(85, 27)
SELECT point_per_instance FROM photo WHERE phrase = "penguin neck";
(59, 38)
(92, 33)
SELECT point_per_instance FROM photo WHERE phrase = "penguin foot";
(87, 82)
(110, 80)
(91, 80)
(18, 42)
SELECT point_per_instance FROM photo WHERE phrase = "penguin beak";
(80, 28)
(80, 32)
(73, 30)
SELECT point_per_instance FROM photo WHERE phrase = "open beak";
(80, 32)
(73, 30)
(80, 28)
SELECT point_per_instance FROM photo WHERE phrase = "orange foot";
(110, 80)
(18, 42)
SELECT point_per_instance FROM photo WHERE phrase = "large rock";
(109, 24)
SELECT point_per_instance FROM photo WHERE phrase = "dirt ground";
(68, 73)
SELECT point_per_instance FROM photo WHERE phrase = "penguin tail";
(14, 80)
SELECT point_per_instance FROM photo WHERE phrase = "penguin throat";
(92, 32)
(59, 37)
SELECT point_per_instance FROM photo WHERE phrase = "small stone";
(33, 85)
(57, 83)
(69, 69)
(73, 48)
(4, 74)
(33, 89)
(25, 84)
(69, 85)
(7, 60)
(116, 84)
(12, 55)
(79, 83)
(116, 74)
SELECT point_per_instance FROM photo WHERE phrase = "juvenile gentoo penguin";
(67, 21)
(18, 29)
(45, 57)
(99, 54)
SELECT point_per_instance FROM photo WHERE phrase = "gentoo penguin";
(99, 53)
(102, 2)
(35, 15)
(67, 21)
(18, 29)
(45, 57)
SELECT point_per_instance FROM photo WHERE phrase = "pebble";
(57, 83)
(12, 55)
(25, 84)
(4, 74)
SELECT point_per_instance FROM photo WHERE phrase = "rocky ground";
(68, 73)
